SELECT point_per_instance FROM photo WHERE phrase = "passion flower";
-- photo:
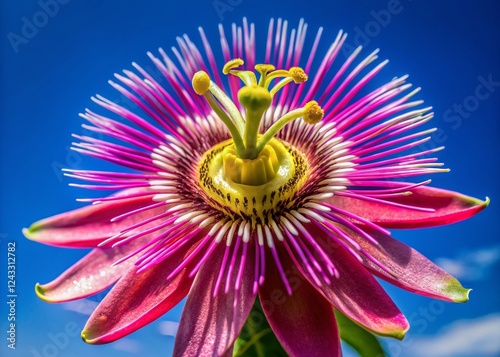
(283, 166)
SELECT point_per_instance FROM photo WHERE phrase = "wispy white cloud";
(464, 338)
(128, 345)
(168, 328)
(84, 306)
(472, 265)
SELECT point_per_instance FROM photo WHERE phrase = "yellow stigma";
(234, 63)
(201, 82)
(254, 98)
(264, 68)
(313, 113)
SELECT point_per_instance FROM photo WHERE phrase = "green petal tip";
(456, 292)
(40, 292)
(28, 233)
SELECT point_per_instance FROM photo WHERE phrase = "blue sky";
(48, 73)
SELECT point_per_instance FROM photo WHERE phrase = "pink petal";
(209, 325)
(91, 274)
(413, 271)
(304, 322)
(449, 207)
(90, 225)
(358, 295)
(138, 299)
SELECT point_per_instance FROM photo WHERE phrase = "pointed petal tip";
(400, 334)
(86, 338)
(28, 232)
(467, 295)
(396, 327)
(91, 338)
(398, 330)
(480, 204)
(464, 297)
(40, 292)
(33, 229)
(455, 292)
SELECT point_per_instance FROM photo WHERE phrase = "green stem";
(256, 338)
(253, 341)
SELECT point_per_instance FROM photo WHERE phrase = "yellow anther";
(264, 68)
(234, 63)
(201, 82)
(313, 113)
(298, 75)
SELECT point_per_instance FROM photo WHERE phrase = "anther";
(201, 82)
(298, 75)
(313, 113)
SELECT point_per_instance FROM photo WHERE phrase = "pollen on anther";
(313, 113)
(298, 75)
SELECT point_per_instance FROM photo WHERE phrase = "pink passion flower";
(241, 186)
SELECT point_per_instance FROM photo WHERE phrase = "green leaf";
(362, 341)
(256, 338)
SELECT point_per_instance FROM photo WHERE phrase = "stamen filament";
(280, 85)
(280, 73)
(228, 104)
(277, 126)
(311, 114)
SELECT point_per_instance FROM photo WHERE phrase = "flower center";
(253, 174)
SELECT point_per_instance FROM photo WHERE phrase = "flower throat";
(253, 175)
